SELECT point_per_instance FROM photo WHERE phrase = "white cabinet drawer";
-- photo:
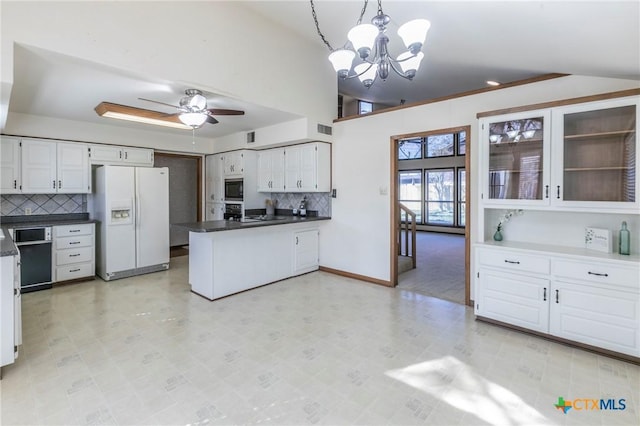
(513, 261)
(73, 230)
(65, 257)
(74, 242)
(606, 273)
(71, 272)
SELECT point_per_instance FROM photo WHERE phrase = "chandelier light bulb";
(193, 119)
(366, 76)
(341, 60)
(414, 33)
(410, 63)
(362, 37)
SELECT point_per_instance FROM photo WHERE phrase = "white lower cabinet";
(74, 251)
(596, 316)
(515, 299)
(215, 211)
(590, 301)
(305, 251)
(10, 309)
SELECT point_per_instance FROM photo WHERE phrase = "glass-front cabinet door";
(516, 158)
(595, 155)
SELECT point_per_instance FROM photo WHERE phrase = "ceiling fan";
(193, 110)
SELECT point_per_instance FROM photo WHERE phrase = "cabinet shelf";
(520, 142)
(515, 170)
(598, 134)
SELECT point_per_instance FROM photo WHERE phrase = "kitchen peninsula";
(227, 257)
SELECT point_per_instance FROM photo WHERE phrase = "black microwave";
(233, 190)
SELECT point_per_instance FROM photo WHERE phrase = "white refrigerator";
(131, 205)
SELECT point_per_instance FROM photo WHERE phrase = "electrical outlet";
(27, 210)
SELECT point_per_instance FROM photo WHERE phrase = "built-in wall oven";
(35, 257)
(233, 211)
(233, 190)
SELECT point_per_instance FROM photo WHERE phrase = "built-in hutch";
(555, 170)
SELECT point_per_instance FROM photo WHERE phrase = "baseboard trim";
(357, 276)
(601, 351)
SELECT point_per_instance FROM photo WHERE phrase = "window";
(439, 196)
(431, 176)
(462, 186)
(462, 143)
(364, 107)
(439, 145)
(410, 149)
(410, 193)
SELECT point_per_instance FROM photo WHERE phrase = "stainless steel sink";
(263, 218)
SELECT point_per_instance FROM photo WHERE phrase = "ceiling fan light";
(362, 37)
(414, 33)
(193, 119)
(198, 102)
(409, 62)
(341, 60)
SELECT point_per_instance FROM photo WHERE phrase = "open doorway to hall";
(431, 172)
(185, 195)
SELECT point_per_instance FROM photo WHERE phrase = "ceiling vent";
(251, 137)
(325, 130)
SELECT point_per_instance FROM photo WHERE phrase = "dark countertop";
(8, 247)
(45, 220)
(228, 225)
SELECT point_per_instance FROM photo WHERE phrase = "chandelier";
(370, 41)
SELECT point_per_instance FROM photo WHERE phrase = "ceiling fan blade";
(217, 111)
(211, 120)
(158, 102)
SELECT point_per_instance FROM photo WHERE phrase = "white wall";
(231, 50)
(357, 239)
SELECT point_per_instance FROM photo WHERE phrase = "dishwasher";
(35, 246)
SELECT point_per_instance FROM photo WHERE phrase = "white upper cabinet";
(308, 168)
(516, 159)
(50, 167)
(138, 156)
(214, 184)
(595, 155)
(10, 165)
(120, 155)
(234, 163)
(73, 169)
(271, 170)
(39, 167)
(577, 157)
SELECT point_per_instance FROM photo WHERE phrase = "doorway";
(445, 273)
(185, 195)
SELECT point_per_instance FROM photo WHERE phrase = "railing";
(407, 233)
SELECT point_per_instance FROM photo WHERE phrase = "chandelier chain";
(379, 8)
(364, 9)
(315, 19)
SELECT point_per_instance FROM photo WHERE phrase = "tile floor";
(316, 349)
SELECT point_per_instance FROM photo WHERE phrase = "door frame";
(199, 163)
(395, 211)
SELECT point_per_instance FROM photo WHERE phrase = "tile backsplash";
(318, 201)
(17, 204)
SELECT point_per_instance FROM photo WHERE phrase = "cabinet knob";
(557, 296)
(546, 191)
(54, 184)
(558, 192)
(59, 184)
(544, 294)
